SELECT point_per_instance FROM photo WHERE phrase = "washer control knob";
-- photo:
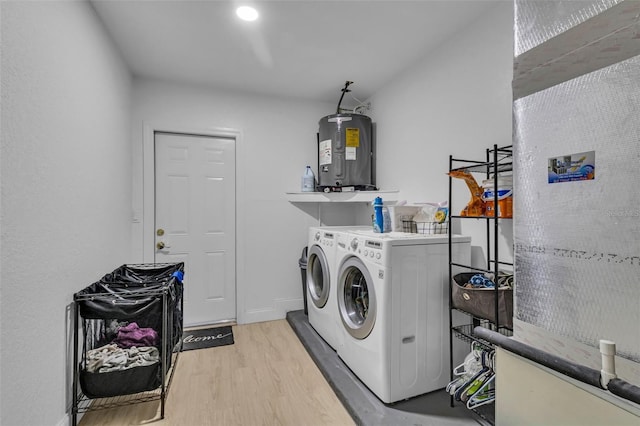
(354, 243)
(378, 256)
(366, 253)
(317, 236)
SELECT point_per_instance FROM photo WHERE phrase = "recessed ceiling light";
(247, 13)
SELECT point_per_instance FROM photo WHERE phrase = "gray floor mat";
(432, 409)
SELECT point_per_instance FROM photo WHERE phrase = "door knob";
(160, 245)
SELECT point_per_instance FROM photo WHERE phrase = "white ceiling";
(298, 48)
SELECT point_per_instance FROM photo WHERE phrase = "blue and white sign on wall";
(572, 167)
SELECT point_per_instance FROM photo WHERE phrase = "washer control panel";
(368, 249)
(326, 239)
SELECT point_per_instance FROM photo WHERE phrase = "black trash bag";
(123, 382)
(145, 274)
(134, 292)
(302, 263)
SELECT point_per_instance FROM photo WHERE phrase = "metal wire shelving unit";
(498, 161)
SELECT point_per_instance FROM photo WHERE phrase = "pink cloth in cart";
(132, 335)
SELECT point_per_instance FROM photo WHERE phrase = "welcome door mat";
(207, 338)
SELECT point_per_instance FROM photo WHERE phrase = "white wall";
(457, 101)
(278, 138)
(66, 190)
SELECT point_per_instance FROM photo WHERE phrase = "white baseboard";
(279, 311)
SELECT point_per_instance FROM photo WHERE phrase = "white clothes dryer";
(321, 278)
(393, 305)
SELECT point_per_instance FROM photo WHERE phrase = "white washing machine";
(394, 310)
(321, 278)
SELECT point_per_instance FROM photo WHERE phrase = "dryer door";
(356, 298)
(318, 279)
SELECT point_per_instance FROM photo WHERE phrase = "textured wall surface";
(66, 191)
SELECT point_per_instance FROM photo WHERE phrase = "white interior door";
(195, 220)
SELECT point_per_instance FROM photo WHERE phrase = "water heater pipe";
(608, 352)
(616, 386)
(561, 365)
(344, 90)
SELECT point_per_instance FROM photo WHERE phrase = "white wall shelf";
(342, 197)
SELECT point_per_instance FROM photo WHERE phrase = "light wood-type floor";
(265, 378)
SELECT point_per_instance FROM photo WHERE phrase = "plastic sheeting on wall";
(539, 21)
(577, 239)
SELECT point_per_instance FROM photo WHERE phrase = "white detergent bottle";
(308, 180)
(386, 219)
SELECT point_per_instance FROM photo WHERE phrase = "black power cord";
(344, 90)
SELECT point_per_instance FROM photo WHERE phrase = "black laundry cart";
(130, 322)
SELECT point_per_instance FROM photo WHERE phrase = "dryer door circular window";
(318, 276)
(356, 298)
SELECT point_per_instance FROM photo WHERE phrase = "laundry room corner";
(269, 159)
(448, 105)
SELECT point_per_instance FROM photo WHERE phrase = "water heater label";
(349, 153)
(324, 152)
(572, 167)
(352, 137)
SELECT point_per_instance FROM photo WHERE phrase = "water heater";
(345, 152)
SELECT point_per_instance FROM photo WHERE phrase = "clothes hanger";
(465, 371)
(485, 394)
(475, 385)
(463, 388)
(482, 392)
(478, 380)
(467, 385)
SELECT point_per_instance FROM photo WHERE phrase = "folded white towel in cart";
(111, 357)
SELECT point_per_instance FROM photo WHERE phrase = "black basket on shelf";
(146, 301)
(481, 302)
(425, 228)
